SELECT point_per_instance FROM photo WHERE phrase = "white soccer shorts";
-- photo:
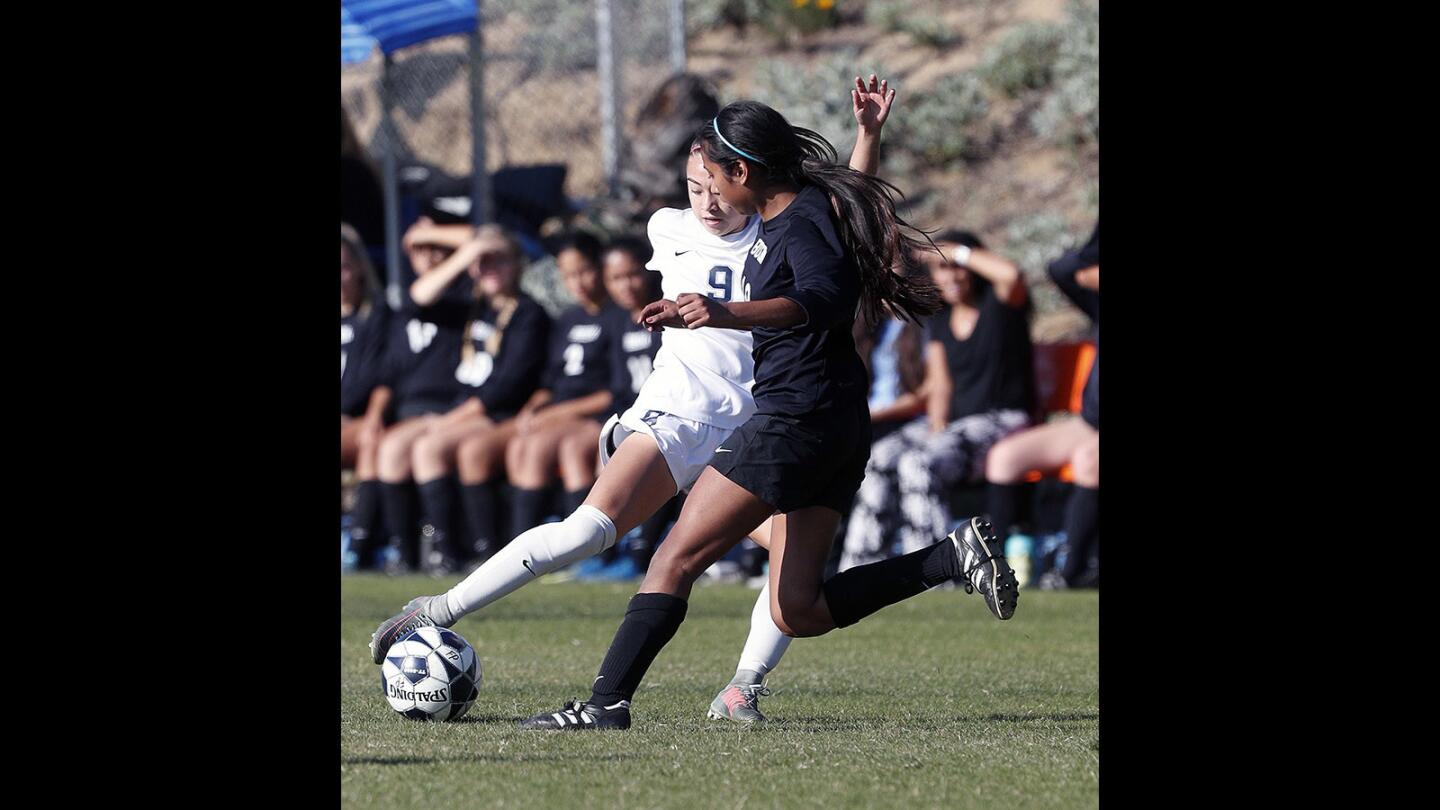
(687, 445)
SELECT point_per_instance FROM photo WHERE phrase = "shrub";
(703, 14)
(801, 16)
(945, 124)
(817, 98)
(887, 15)
(931, 32)
(1023, 59)
(1032, 242)
(1070, 114)
(783, 18)
(895, 16)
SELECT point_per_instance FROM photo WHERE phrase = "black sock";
(365, 529)
(1002, 504)
(650, 622)
(572, 500)
(437, 505)
(527, 509)
(854, 594)
(652, 531)
(752, 558)
(482, 519)
(400, 530)
(1082, 527)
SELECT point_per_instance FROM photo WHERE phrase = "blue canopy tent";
(394, 24)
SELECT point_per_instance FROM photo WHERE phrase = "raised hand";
(871, 105)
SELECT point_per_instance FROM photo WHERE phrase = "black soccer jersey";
(579, 361)
(506, 355)
(362, 356)
(632, 357)
(991, 369)
(424, 349)
(1062, 272)
(799, 255)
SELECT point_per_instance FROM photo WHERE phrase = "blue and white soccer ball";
(431, 673)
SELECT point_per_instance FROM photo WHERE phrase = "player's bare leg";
(722, 514)
(634, 485)
(577, 456)
(395, 451)
(350, 430)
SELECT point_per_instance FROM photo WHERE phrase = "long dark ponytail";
(875, 235)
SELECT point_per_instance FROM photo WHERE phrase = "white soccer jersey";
(702, 374)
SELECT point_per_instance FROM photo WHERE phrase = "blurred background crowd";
(478, 361)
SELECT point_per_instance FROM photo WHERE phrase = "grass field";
(928, 703)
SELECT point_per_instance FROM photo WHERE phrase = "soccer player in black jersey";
(829, 240)
(980, 389)
(632, 358)
(493, 367)
(631, 287)
(574, 395)
(364, 322)
(1052, 445)
(421, 353)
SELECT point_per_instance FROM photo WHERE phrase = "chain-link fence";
(544, 97)
(561, 80)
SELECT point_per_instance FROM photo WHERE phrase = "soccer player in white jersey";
(698, 393)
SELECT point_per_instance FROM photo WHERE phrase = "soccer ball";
(430, 673)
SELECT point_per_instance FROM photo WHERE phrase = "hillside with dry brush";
(995, 129)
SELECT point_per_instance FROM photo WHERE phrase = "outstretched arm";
(428, 288)
(426, 232)
(822, 296)
(693, 310)
(871, 106)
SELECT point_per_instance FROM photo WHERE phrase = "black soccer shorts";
(793, 463)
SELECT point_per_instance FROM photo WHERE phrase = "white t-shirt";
(702, 374)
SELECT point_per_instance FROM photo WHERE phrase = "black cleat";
(577, 716)
(984, 568)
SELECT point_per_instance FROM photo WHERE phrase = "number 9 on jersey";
(720, 277)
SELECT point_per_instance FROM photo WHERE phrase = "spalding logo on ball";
(431, 673)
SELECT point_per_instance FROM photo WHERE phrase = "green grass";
(931, 702)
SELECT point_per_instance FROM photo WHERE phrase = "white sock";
(765, 645)
(538, 551)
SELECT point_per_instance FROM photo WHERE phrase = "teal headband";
(715, 122)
